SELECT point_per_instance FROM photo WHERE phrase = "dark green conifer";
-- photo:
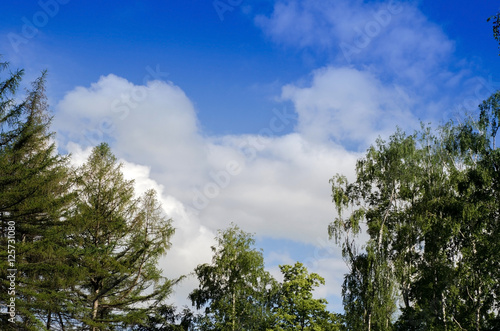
(33, 194)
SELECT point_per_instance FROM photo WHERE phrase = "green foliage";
(496, 26)
(429, 204)
(235, 288)
(297, 309)
(85, 249)
(165, 318)
(117, 241)
(240, 295)
(489, 119)
(33, 196)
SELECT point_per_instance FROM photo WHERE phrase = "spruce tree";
(33, 195)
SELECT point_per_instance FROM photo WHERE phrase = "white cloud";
(155, 125)
(332, 270)
(283, 191)
(273, 186)
(309, 23)
(392, 31)
(348, 105)
(392, 40)
(270, 184)
(78, 153)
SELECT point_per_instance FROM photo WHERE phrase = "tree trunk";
(478, 326)
(61, 321)
(95, 307)
(234, 311)
(443, 307)
(49, 320)
(478, 309)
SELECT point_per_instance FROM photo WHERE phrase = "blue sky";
(241, 110)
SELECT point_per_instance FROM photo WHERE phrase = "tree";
(164, 318)
(234, 287)
(429, 204)
(393, 182)
(117, 241)
(479, 185)
(297, 309)
(496, 26)
(368, 290)
(33, 196)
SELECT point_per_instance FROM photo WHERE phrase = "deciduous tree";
(234, 287)
(297, 309)
(429, 204)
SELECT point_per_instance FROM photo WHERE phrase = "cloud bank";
(275, 186)
(387, 64)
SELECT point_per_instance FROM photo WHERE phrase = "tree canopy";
(34, 197)
(234, 287)
(79, 249)
(297, 309)
(429, 204)
(117, 240)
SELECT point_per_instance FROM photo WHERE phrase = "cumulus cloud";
(272, 184)
(348, 105)
(153, 124)
(275, 186)
(283, 190)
